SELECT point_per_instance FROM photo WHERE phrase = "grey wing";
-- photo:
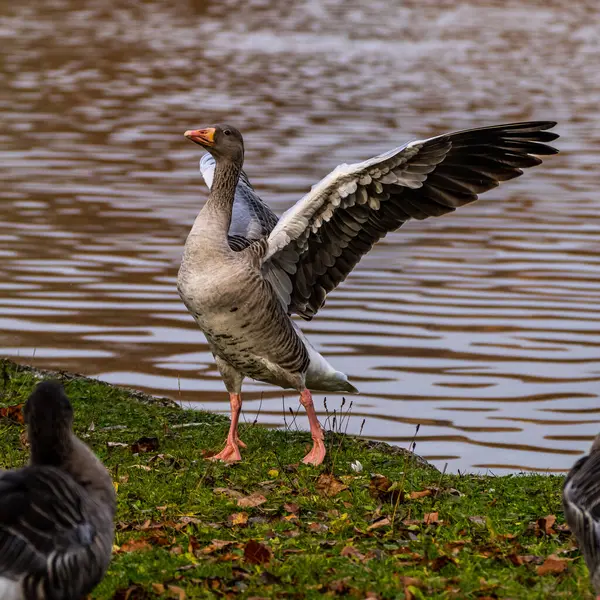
(318, 241)
(251, 218)
(581, 503)
(47, 535)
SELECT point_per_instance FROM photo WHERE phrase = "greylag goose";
(243, 293)
(581, 503)
(57, 513)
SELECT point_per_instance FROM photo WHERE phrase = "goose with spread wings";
(244, 273)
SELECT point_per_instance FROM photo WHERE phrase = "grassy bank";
(271, 528)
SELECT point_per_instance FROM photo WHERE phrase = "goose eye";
(227, 132)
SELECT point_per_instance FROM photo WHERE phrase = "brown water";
(483, 326)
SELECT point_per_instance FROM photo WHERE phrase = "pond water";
(482, 326)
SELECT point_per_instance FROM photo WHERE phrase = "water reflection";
(482, 326)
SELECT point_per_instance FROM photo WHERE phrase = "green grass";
(170, 510)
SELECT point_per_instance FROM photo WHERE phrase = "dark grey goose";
(57, 513)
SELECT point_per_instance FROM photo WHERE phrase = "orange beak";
(204, 137)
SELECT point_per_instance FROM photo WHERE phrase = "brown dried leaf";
(145, 444)
(317, 527)
(228, 492)
(416, 495)
(256, 553)
(254, 499)
(292, 507)
(158, 588)
(410, 584)
(430, 518)
(328, 485)
(13, 413)
(478, 520)
(414, 581)
(379, 488)
(352, 552)
(240, 518)
(520, 559)
(135, 545)
(544, 524)
(183, 521)
(133, 592)
(216, 545)
(552, 564)
(176, 592)
(440, 562)
(456, 546)
(379, 523)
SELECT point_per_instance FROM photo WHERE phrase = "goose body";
(581, 503)
(244, 273)
(57, 513)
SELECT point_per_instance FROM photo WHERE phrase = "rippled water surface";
(482, 326)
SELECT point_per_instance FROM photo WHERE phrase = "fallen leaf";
(518, 559)
(24, 439)
(456, 546)
(552, 564)
(379, 523)
(252, 500)
(423, 494)
(229, 492)
(440, 562)
(145, 444)
(544, 524)
(352, 552)
(317, 527)
(478, 520)
(340, 587)
(187, 521)
(158, 588)
(328, 485)
(411, 586)
(13, 413)
(116, 445)
(135, 545)
(273, 473)
(176, 592)
(292, 507)
(143, 467)
(216, 545)
(430, 518)
(382, 488)
(256, 553)
(414, 581)
(133, 592)
(240, 518)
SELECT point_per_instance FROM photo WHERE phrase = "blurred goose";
(56, 515)
(581, 503)
(242, 276)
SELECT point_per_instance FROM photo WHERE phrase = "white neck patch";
(207, 168)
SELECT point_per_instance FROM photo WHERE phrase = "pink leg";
(317, 454)
(231, 452)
